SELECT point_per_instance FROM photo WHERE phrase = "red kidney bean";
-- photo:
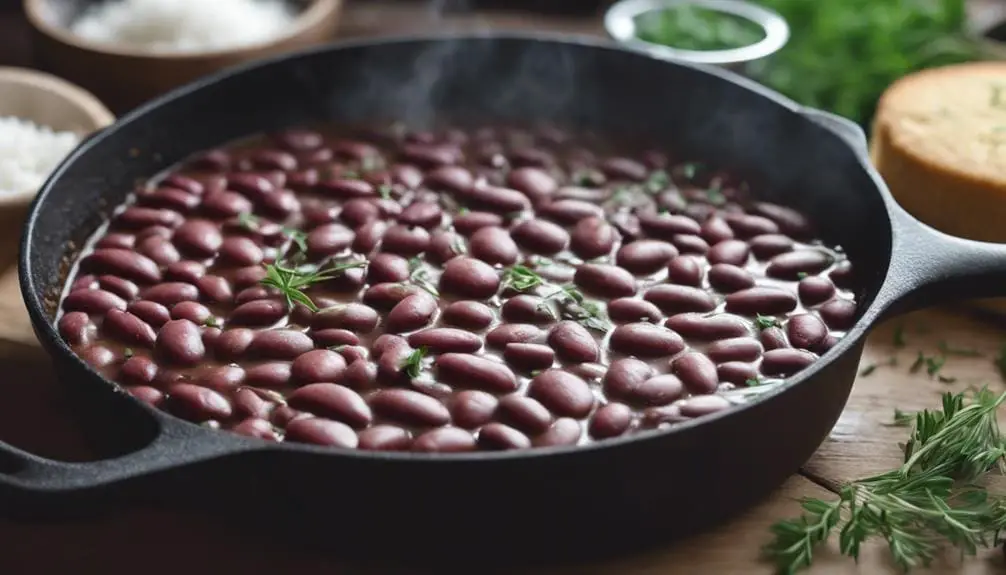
(299, 140)
(675, 299)
(117, 241)
(274, 160)
(593, 237)
(76, 328)
(768, 246)
(198, 238)
(572, 342)
(257, 428)
(747, 226)
(469, 278)
(763, 300)
(570, 211)
(171, 293)
(493, 245)
(667, 226)
(385, 438)
(625, 375)
(226, 204)
(703, 405)
(197, 403)
(450, 178)
(345, 189)
(707, 327)
(728, 278)
(425, 214)
(128, 328)
(826, 344)
(446, 340)
(445, 246)
(529, 356)
(154, 232)
(476, 372)
(716, 230)
(496, 436)
(839, 313)
(562, 393)
(444, 440)
(696, 371)
(688, 244)
(514, 333)
(118, 286)
(565, 431)
(84, 282)
(280, 344)
(684, 270)
(138, 370)
(624, 169)
(224, 379)
(123, 263)
(94, 301)
(790, 221)
(737, 373)
(247, 403)
(248, 276)
(98, 356)
(526, 309)
(610, 420)
(192, 311)
(793, 265)
(368, 236)
(170, 198)
(646, 340)
(842, 275)
(213, 161)
(524, 413)
(645, 257)
(410, 407)
(407, 241)
(633, 310)
(432, 155)
(536, 183)
(814, 290)
(472, 408)
(468, 224)
(387, 295)
(137, 218)
(282, 415)
(540, 236)
(150, 312)
(179, 341)
(261, 312)
(334, 338)
(773, 338)
(785, 362)
(470, 315)
(528, 156)
(355, 317)
(159, 250)
(269, 375)
(495, 199)
(233, 343)
(254, 186)
(605, 280)
(734, 349)
(355, 213)
(359, 375)
(334, 402)
(240, 251)
(185, 271)
(412, 313)
(185, 184)
(805, 331)
(734, 252)
(321, 432)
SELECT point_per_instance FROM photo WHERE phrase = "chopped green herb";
(945, 379)
(297, 238)
(292, 281)
(248, 221)
(690, 170)
(458, 245)
(657, 182)
(899, 335)
(902, 418)
(212, 322)
(414, 363)
(521, 278)
(765, 322)
(350, 175)
(573, 305)
(932, 498)
(419, 276)
(663, 211)
(385, 191)
(338, 347)
(945, 349)
(753, 382)
(920, 360)
(371, 163)
(128, 352)
(801, 275)
(935, 364)
(715, 196)
(463, 210)
(868, 370)
(587, 178)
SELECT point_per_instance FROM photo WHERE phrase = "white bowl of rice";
(129, 51)
(42, 119)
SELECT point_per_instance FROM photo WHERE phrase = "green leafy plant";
(292, 281)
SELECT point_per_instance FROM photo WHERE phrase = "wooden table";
(35, 415)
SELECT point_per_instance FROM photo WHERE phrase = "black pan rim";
(46, 331)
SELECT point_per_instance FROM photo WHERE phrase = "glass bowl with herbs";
(730, 33)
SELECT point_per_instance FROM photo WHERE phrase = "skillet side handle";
(928, 267)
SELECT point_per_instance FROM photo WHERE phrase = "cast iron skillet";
(531, 504)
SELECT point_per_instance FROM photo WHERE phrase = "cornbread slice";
(939, 141)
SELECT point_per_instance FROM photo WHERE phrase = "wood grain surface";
(35, 414)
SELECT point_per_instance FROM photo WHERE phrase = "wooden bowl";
(125, 76)
(49, 101)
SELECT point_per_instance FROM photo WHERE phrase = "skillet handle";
(928, 267)
(27, 480)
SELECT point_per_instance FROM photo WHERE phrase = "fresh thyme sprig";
(419, 276)
(929, 501)
(521, 278)
(413, 365)
(292, 281)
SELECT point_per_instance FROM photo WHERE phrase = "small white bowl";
(48, 101)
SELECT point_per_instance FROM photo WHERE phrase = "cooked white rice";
(28, 154)
(184, 25)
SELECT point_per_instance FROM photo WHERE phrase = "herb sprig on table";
(929, 502)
